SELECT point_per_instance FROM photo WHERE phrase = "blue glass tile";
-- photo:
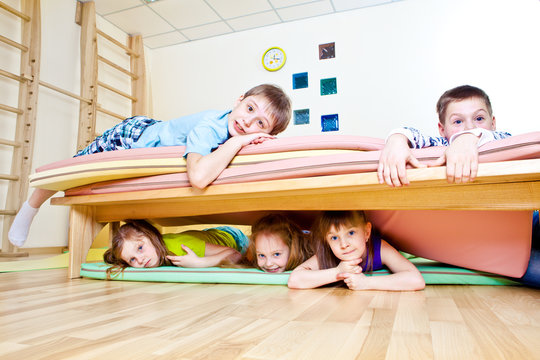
(328, 86)
(330, 122)
(301, 117)
(300, 80)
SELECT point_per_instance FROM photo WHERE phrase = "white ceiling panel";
(343, 5)
(254, 21)
(287, 3)
(206, 31)
(105, 7)
(234, 8)
(185, 13)
(166, 39)
(306, 10)
(139, 20)
(169, 22)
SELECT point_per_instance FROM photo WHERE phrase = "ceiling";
(169, 22)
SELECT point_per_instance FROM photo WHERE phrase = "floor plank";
(44, 315)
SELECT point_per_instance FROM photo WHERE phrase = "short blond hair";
(280, 105)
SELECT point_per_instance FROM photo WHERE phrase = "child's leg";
(120, 136)
(21, 224)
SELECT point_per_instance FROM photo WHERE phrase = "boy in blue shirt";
(257, 115)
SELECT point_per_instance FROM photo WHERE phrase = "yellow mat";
(54, 262)
(70, 176)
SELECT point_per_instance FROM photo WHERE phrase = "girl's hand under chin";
(349, 266)
(353, 281)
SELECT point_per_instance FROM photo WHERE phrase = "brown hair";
(280, 105)
(291, 234)
(337, 219)
(130, 231)
(461, 93)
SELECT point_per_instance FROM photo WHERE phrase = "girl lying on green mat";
(345, 249)
(139, 244)
(278, 245)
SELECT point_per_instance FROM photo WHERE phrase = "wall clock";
(274, 58)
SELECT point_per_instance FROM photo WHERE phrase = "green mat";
(52, 262)
(432, 271)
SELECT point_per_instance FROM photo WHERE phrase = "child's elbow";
(197, 181)
(235, 257)
(298, 282)
(197, 176)
(418, 283)
(294, 283)
(197, 185)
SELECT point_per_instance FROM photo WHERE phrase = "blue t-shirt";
(241, 239)
(199, 133)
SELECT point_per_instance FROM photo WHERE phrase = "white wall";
(392, 64)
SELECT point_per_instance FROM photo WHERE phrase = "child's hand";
(461, 159)
(203, 170)
(349, 266)
(233, 256)
(353, 281)
(262, 139)
(255, 138)
(189, 260)
(393, 160)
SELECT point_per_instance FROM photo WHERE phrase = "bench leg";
(82, 231)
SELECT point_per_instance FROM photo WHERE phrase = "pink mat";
(526, 146)
(494, 241)
(314, 142)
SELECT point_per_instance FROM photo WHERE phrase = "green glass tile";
(328, 86)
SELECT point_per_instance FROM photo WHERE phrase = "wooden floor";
(45, 316)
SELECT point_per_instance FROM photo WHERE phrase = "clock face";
(274, 59)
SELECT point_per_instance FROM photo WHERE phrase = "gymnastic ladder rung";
(10, 142)
(23, 142)
(9, 177)
(11, 109)
(14, 11)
